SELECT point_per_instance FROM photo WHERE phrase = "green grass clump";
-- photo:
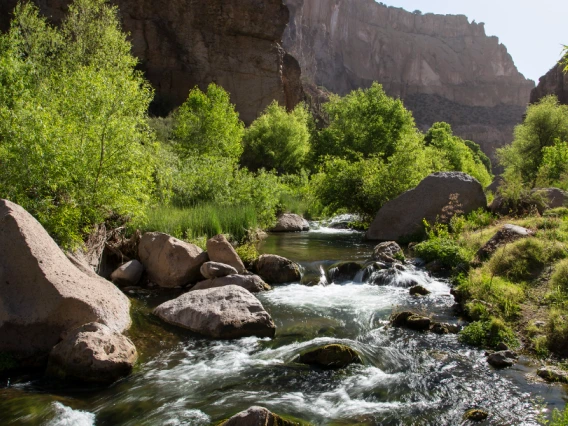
(525, 258)
(205, 220)
(560, 212)
(559, 279)
(488, 333)
(557, 332)
(445, 250)
(248, 253)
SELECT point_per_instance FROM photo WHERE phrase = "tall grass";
(206, 220)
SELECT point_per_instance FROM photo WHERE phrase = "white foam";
(66, 416)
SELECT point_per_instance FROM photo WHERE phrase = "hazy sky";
(533, 31)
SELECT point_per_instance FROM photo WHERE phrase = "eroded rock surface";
(290, 222)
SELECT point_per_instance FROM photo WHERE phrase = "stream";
(407, 377)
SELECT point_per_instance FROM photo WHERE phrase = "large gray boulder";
(42, 294)
(252, 283)
(221, 251)
(212, 270)
(128, 274)
(277, 269)
(257, 416)
(228, 312)
(403, 216)
(170, 262)
(92, 353)
(290, 222)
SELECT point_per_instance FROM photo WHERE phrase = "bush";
(559, 279)
(488, 333)
(75, 141)
(445, 250)
(278, 140)
(557, 332)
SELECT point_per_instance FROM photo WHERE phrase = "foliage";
(363, 123)
(546, 123)
(559, 279)
(517, 199)
(75, 145)
(479, 155)
(248, 253)
(452, 153)
(488, 333)
(208, 125)
(557, 332)
(443, 249)
(278, 140)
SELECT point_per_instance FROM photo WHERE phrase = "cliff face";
(184, 43)
(443, 67)
(555, 82)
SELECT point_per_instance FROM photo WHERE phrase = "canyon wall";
(184, 43)
(554, 82)
(442, 66)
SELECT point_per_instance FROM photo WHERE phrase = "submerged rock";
(277, 269)
(387, 252)
(92, 353)
(419, 290)
(475, 415)
(211, 270)
(128, 274)
(228, 312)
(252, 283)
(553, 374)
(445, 328)
(344, 271)
(170, 262)
(257, 416)
(42, 294)
(410, 320)
(221, 251)
(392, 276)
(502, 359)
(290, 222)
(403, 216)
(330, 356)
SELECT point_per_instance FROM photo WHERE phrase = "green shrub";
(445, 250)
(559, 279)
(488, 333)
(559, 418)
(248, 253)
(478, 219)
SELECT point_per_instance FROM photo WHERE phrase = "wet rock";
(387, 252)
(419, 290)
(128, 274)
(502, 347)
(553, 374)
(440, 328)
(92, 353)
(344, 271)
(211, 270)
(391, 276)
(277, 269)
(221, 251)
(289, 222)
(476, 415)
(228, 312)
(398, 319)
(257, 416)
(170, 262)
(403, 216)
(252, 283)
(42, 294)
(330, 356)
(502, 359)
(370, 269)
(418, 323)
(507, 234)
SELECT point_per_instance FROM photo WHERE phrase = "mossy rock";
(476, 415)
(330, 357)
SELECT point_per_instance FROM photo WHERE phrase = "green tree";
(74, 142)
(366, 122)
(278, 140)
(207, 124)
(545, 123)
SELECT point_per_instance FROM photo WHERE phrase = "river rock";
(398, 319)
(257, 416)
(403, 216)
(92, 353)
(475, 415)
(290, 222)
(418, 323)
(392, 276)
(419, 290)
(221, 251)
(386, 252)
(277, 269)
(445, 328)
(252, 283)
(228, 312)
(42, 294)
(502, 359)
(344, 271)
(170, 262)
(212, 270)
(128, 274)
(507, 234)
(553, 374)
(330, 356)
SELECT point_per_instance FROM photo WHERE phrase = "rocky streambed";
(402, 376)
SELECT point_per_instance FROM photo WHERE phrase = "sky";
(533, 31)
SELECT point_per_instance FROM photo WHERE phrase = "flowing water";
(407, 378)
